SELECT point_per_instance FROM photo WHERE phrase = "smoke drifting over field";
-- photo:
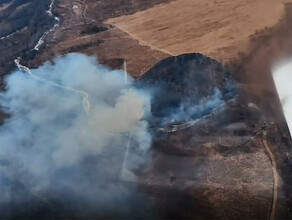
(282, 74)
(78, 132)
(188, 111)
(49, 132)
(186, 88)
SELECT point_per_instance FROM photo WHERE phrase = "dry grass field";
(217, 28)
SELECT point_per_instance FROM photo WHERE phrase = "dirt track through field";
(275, 175)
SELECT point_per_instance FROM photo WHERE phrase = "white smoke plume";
(189, 111)
(282, 74)
(48, 129)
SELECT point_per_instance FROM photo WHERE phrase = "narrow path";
(275, 175)
(85, 7)
(84, 95)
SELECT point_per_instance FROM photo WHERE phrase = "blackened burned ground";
(215, 166)
(186, 87)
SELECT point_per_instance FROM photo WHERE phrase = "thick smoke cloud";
(282, 74)
(49, 136)
(77, 135)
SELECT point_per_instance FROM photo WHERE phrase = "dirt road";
(275, 175)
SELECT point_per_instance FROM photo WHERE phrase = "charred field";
(211, 150)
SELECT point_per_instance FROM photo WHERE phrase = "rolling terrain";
(230, 162)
